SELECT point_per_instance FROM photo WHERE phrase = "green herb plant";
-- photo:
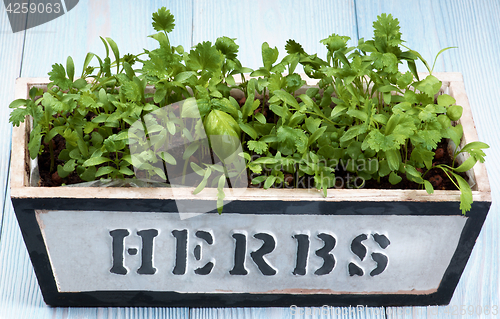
(365, 115)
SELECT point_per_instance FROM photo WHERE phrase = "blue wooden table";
(427, 26)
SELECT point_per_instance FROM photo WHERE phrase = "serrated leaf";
(163, 20)
(292, 47)
(58, 76)
(378, 141)
(335, 42)
(17, 116)
(465, 194)
(205, 57)
(258, 147)
(227, 46)
(35, 141)
(386, 27)
(430, 85)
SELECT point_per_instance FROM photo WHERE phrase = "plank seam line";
(24, 44)
(6, 192)
(192, 23)
(356, 20)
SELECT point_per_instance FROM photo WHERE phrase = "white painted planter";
(128, 246)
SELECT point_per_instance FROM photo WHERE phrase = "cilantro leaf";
(131, 91)
(17, 116)
(335, 42)
(292, 47)
(292, 140)
(204, 57)
(387, 62)
(378, 141)
(163, 20)
(58, 76)
(430, 85)
(387, 28)
(258, 147)
(227, 46)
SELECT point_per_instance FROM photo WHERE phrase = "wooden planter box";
(281, 247)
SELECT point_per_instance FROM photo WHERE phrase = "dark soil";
(48, 178)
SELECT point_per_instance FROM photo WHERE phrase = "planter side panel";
(87, 253)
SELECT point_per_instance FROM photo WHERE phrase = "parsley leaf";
(58, 76)
(292, 47)
(258, 147)
(387, 28)
(163, 20)
(204, 57)
(227, 46)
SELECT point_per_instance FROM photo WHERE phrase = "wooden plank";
(20, 296)
(10, 50)
(255, 22)
(471, 26)
(77, 32)
(73, 34)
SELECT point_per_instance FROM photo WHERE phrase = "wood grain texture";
(427, 26)
(77, 32)
(11, 47)
(255, 22)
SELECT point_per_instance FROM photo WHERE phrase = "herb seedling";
(365, 111)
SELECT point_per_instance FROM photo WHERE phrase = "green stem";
(52, 160)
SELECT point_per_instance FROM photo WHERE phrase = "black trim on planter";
(25, 212)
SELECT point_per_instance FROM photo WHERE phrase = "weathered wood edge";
(452, 80)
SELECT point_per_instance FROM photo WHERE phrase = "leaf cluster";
(365, 115)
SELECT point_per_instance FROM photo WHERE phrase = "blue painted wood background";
(427, 26)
